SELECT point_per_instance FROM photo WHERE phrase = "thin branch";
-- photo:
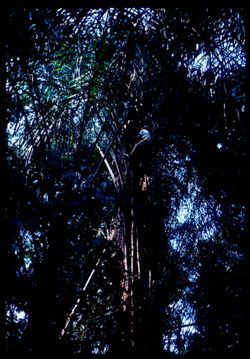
(107, 165)
(69, 317)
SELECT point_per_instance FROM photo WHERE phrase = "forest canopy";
(97, 258)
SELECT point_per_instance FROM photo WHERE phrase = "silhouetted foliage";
(91, 266)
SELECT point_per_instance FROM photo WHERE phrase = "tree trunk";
(140, 325)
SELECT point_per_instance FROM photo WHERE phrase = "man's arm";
(137, 145)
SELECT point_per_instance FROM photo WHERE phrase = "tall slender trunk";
(140, 311)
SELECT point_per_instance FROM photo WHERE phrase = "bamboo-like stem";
(132, 274)
(137, 255)
(124, 248)
(107, 165)
(79, 299)
(117, 168)
(149, 279)
(109, 237)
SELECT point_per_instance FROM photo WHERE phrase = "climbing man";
(140, 159)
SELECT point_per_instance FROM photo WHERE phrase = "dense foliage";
(80, 84)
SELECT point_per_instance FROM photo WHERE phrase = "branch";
(107, 165)
(79, 299)
(109, 237)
